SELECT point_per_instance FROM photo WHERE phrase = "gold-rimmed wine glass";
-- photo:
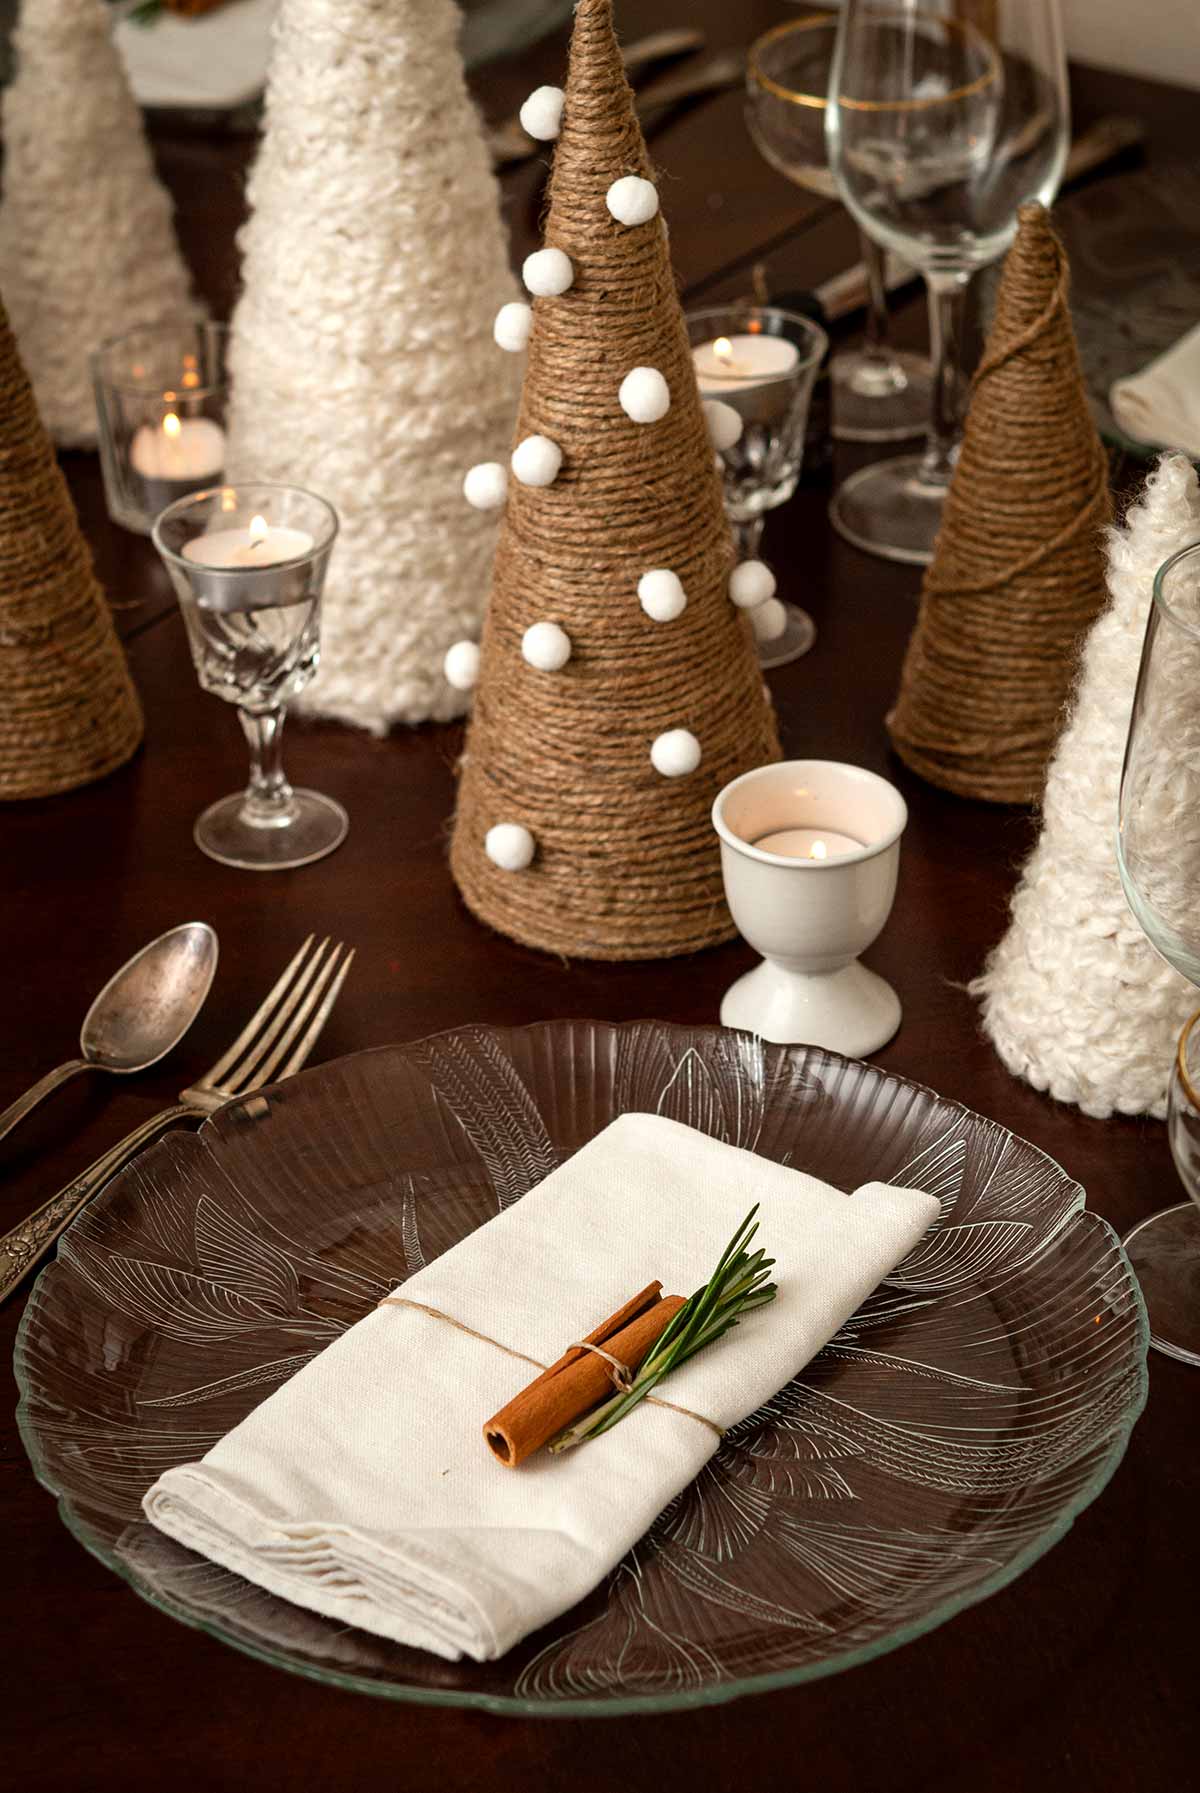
(880, 394)
(944, 118)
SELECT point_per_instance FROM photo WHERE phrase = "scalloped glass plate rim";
(618, 1706)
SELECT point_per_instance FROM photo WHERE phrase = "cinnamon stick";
(579, 1379)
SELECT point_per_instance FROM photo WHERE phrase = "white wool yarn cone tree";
(87, 244)
(362, 351)
(1075, 999)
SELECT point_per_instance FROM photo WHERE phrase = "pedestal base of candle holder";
(798, 636)
(851, 1010)
(315, 825)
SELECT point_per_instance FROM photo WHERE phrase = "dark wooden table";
(1080, 1674)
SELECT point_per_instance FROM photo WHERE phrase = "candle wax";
(243, 548)
(749, 361)
(195, 451)
(807, 843)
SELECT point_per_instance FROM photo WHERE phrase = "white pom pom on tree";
(1075, 999)
(618, 685)
(87, 244)
(362, 350)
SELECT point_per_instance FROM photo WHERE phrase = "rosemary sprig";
(737, 1285)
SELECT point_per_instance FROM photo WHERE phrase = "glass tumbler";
(762, 361)
(248, 564)
(160, 405)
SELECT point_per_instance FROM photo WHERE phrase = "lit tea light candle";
(740, 363)
(180, 449)
(808, 843)
(259, 544)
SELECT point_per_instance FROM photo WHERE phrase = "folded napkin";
(1162, 403)
(363, 1488)
(215, 61)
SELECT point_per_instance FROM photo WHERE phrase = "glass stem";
(268, 802)
(947, 310)
(747, 536)
(875, 342)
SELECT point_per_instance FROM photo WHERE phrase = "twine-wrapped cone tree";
(68, 710)
(361, 352)
(1075, 998)
(87, 243)
(1018, 571)
(618, 685)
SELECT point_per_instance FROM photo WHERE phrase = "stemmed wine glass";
(1158, 851)
(880, 394)
(248, 565)
(939, 129)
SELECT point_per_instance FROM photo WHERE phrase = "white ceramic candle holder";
(811, 908)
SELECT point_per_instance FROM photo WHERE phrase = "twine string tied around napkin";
(617, 1370)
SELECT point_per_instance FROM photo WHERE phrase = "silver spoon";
(139, 1015)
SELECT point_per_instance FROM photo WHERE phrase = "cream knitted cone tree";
(87, 246)
(618, 687)
(362, 353)
(1075, 999)
(68, 709)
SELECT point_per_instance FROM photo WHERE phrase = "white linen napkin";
(363, 1488)
(1162, 403)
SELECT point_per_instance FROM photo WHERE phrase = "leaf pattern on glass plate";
(977, 1399)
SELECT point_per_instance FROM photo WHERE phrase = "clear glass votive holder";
(248, 563)
(763, 362)
(160, 403)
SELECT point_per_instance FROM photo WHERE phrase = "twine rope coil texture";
(436, 1313)
(990, 663)
(626, 865)
(68, 710)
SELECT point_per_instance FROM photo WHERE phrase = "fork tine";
(313, 975)
(267, 1071)
(309, 1040)
(215, 1072)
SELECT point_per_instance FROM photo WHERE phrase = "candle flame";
(818, 850)
(260, 529)
(190, 377)
(723, 350)
(228, 499)
(171, 425)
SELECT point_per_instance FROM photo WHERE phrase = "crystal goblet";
(248, 565)
(1158, 852)
(762, 361)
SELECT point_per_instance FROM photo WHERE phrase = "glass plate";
(940, 1443)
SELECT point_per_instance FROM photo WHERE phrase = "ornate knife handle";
(29, 1242)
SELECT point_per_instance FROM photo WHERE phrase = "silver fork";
(275, 1041)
